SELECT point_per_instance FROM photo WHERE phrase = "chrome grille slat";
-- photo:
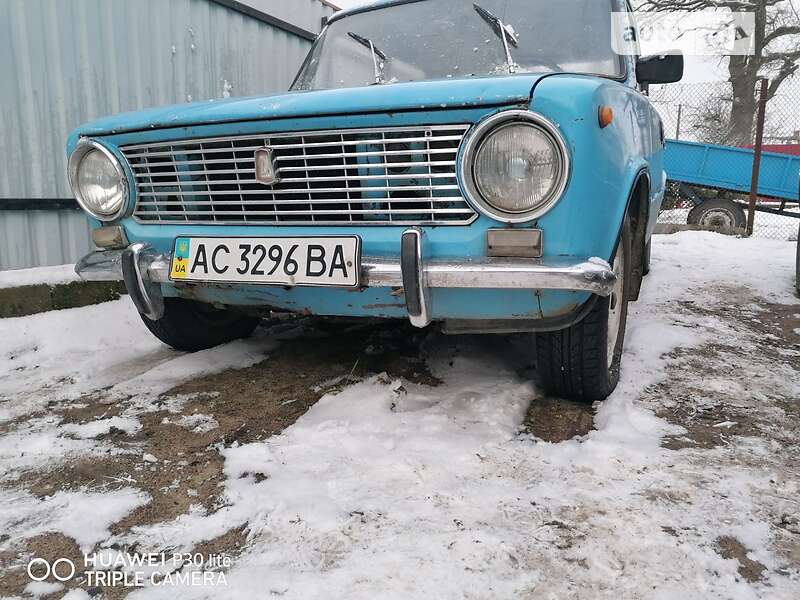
(302, 212)
(149, 175)
(285, 202)
(291, 157)
(369, 176)
(207, 151)
(245, 138)
(413, 140)
(359, 154)
(304, 180)
(149, 164)
(298, 146)
(308, 191)
(373, 166)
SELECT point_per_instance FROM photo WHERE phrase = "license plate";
(311, 261)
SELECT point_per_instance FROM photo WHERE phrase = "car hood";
(426, 95)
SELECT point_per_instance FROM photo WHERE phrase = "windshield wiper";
(504, 31)
(376, 55)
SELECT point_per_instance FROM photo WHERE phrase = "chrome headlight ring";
(472, 145)
(84, 147)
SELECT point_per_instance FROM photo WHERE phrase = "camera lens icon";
(62, 569)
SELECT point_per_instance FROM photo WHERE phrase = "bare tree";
(776, 55)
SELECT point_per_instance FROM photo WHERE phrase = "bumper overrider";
(144, 270)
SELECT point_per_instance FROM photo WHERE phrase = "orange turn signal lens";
(605, 115)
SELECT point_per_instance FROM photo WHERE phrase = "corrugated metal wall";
(42, 237)
(63, 63)
(307, 14)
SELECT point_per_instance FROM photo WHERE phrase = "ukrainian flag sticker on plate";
(180, 260)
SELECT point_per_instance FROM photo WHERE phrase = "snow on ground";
(84, 516)
(700, 262)
(39, 275)
(390, 489)
(38, 589)
(61, 356)
(94, 429)
(77, 351)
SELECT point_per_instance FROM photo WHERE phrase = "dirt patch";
(730, 548)
(107, 474)
(253, 403)
(242, 406)
(736, 400)
(50, 547)
(175, 457)
(749, 403)
(772, 326)
(230, 544)
(89, 408)
(711, 417)
(555, 420)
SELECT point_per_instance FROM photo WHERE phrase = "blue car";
(488, 167)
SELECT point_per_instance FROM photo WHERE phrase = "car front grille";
(388, 176)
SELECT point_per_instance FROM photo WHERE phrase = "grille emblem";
(266, 172)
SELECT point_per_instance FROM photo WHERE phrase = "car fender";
(606, 162)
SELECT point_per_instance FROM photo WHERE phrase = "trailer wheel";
(718, 213)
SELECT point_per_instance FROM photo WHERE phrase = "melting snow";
(85, 516)
(385, 490)
(41, 275)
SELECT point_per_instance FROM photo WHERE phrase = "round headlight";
(98, 181)
(515, 166)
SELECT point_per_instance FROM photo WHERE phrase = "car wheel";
(192, 326)
(582, 362)
(718, 214)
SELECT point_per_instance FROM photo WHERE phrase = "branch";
(780, 32)
(788, 69)
(696, 5)
(789, 56)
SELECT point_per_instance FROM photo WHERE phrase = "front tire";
(193, 326)
(582, 362)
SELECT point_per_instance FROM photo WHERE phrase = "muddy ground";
(734, 400)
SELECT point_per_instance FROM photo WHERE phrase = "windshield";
(438, 39)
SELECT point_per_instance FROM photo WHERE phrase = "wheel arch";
(638, 211)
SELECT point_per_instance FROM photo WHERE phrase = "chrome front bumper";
(142, 269)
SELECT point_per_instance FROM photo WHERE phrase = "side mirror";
(659, 68)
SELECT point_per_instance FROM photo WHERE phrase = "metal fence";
(704, 113)
(63, 63)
